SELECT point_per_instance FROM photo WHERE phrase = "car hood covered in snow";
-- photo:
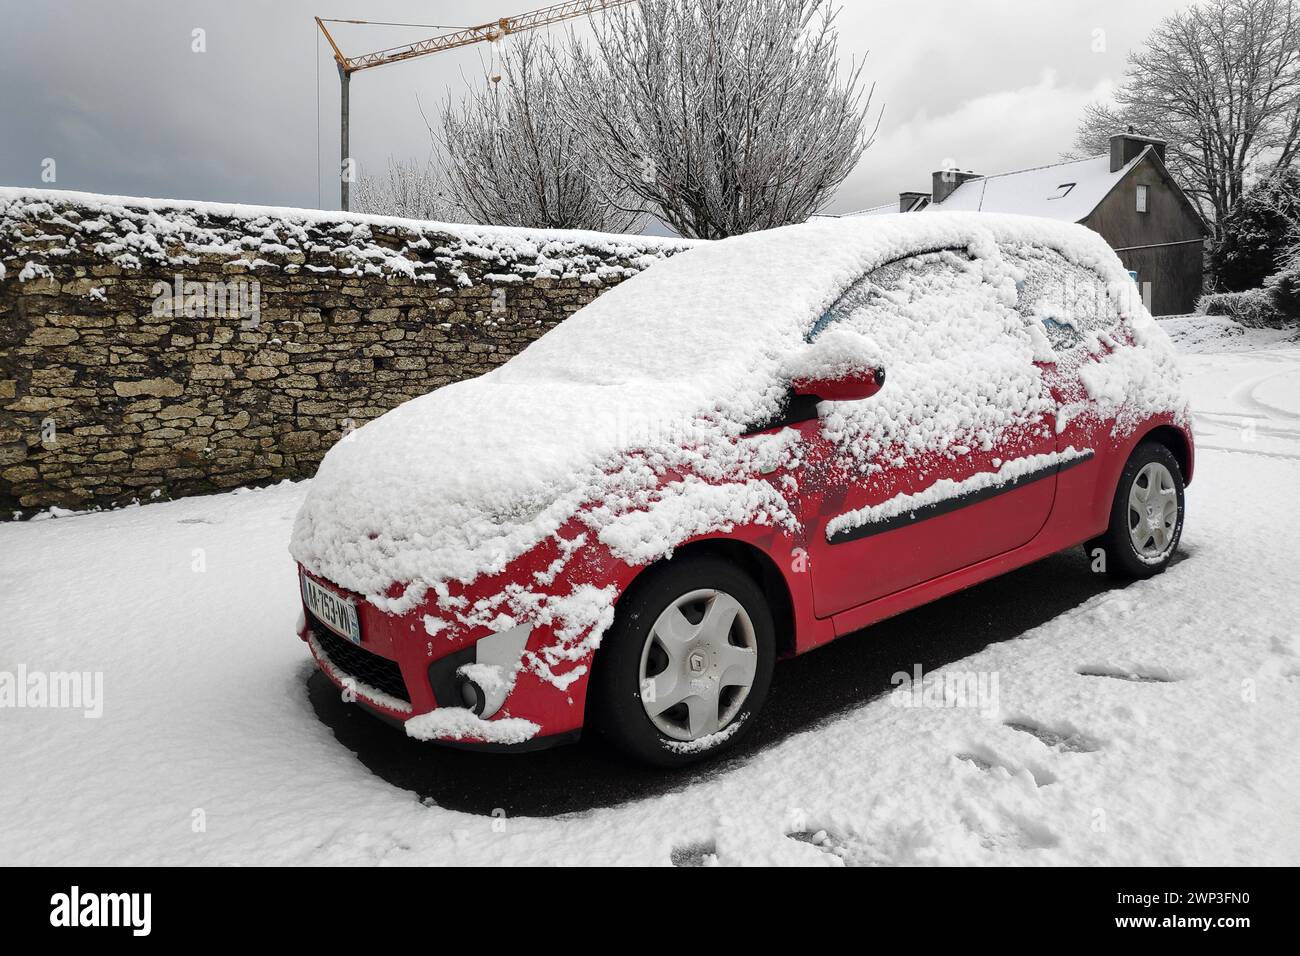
(462, 480)
(679, 358)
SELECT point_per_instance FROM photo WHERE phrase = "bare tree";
(512, 159)
(409, 190)
(721, 116)
(1221, 82)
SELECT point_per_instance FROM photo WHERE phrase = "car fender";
(781, 564)
(1110, 457)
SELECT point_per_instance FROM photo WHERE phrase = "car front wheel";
(686, 664)
(1146, 519)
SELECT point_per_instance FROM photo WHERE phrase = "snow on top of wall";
(1065, 191)
(664, 372)
(178, 232)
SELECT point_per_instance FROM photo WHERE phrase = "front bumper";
(414, 680)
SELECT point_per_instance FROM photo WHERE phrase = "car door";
(951, 463)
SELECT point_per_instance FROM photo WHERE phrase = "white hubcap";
(698, 664)
(1152, 512)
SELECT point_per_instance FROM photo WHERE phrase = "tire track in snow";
(1246, 395)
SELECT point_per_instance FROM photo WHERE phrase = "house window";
(1142, 205)
(1062, 191)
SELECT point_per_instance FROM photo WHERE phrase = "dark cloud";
(114, 93)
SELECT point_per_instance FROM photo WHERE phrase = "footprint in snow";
(1144, 675)
(822, 840)
(1284, 646)
(695, 854)
(985, 759)
(1004, 830)
(1011, 831)
(1063, 740)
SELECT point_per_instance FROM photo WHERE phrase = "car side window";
(908, 284)
(1067, 300)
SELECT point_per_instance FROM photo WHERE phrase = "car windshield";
(658, 328)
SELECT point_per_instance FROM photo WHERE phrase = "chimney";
(1125, 147)
(909, 201)
(946, 181)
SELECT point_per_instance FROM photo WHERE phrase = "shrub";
(1252, 307)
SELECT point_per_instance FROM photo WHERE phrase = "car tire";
(671, 636)
(1146, 517)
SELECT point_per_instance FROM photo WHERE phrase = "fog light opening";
(471, 694)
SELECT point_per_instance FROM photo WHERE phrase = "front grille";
(355, 661)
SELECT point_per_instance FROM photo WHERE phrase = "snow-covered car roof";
(722, 305)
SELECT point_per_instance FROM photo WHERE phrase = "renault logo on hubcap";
(696, 662)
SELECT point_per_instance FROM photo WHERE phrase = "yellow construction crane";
(492, 32)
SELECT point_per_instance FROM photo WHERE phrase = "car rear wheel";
(686, 664)
(1146, 519)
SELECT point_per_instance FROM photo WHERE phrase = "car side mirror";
(851, 387)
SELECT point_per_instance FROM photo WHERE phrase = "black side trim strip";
(949, 505)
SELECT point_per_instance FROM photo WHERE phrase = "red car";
(745, 451)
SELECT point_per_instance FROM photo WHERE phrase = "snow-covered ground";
(1150, 725)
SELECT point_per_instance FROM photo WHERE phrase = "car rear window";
(1068, 300)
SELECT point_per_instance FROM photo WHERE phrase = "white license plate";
(336, 613)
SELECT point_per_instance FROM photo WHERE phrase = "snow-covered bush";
(409, 190)
(1252, 307)
(1276, 302)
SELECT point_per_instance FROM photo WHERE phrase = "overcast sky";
(114, 93)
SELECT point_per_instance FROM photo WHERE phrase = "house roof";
(1067, 191)
(919, 202)
(884, 209)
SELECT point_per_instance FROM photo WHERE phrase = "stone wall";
(155, 349)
